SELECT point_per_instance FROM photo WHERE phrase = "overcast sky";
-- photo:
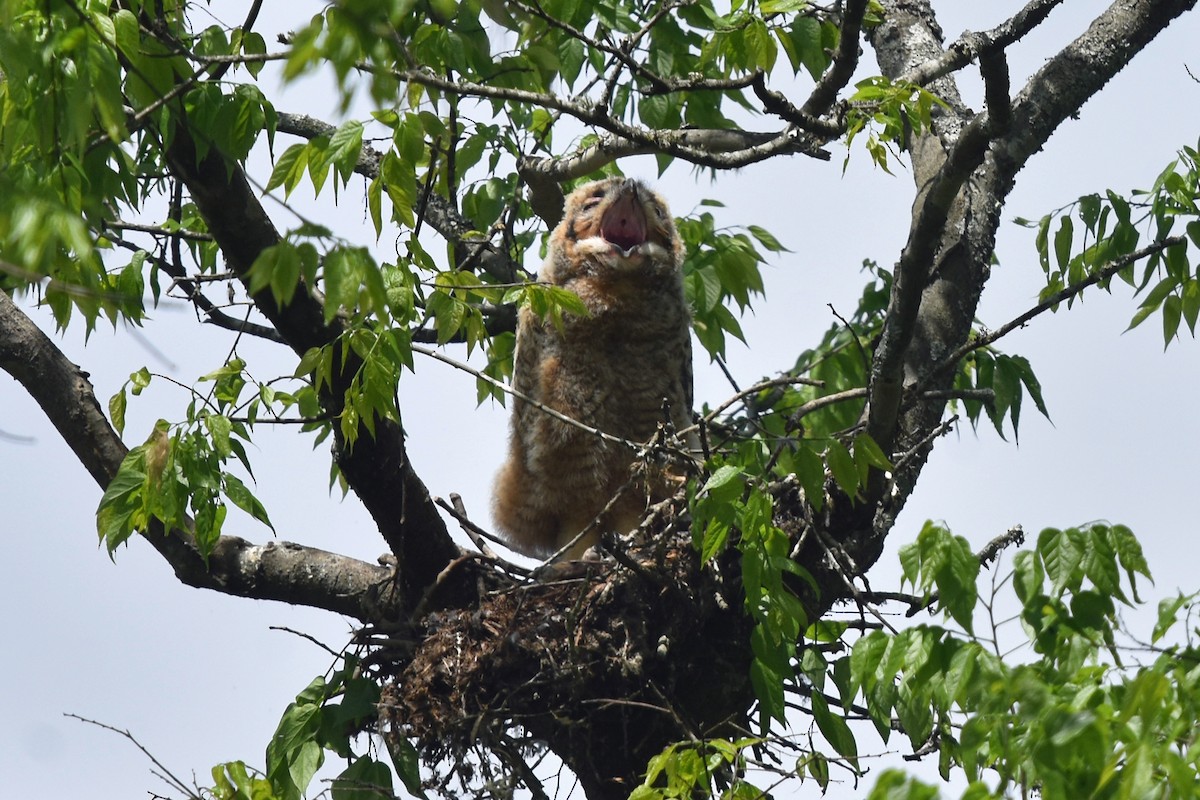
(199, 678)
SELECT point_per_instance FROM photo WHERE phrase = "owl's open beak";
(624, 222)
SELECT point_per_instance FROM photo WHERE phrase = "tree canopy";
(733, 643)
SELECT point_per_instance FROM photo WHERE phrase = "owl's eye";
(594, 199)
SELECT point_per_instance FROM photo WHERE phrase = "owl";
(614, 369)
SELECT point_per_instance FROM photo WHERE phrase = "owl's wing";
(531, 346)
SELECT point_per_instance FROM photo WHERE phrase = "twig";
(309, 637)
(836, 552)
(165, 773)
(941, 430)
(770, 383)
(476, 533)
(504, 387)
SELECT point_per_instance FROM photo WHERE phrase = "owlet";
(614, 370)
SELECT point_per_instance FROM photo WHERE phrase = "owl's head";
(618, 224)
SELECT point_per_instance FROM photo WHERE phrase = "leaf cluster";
(1072, 721)
(177, 477)
(327, 716)
(1078, 240)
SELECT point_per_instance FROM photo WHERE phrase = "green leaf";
(241, 497)
(816, 766)
(1040, 243)
(365, 779)
(120, 513)
(345, 145)
(219, 428)
(1028, 575)
(1172, 312)
(407, 763)
(1168, 615)
(289, 169)
(768, 688)
(1129, 553)
(841, 465)
(1062, 242)
(293, 755)
(722, 477)
(766, 239)
(139, 380)
(116, 410)
(1062, 553)
(835, 729)
(1190, 303)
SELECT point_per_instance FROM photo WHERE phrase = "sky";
(200, 678)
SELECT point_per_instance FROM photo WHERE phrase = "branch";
(776, 103)
(912, 275)
(1060, 88)
(662, 140)
(845, 61)
(726, 148)
(191, 290)
(933, 308)
(970, 45)
(280, 571)
(992, 550)
(377, 468)
(1055, 299)
(164, 773)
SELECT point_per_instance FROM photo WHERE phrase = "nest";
(609, 666)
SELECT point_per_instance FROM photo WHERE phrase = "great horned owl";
(612, 370)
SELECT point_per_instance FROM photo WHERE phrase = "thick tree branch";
(912, 275)
(276, 571)
(377, 467)
(946, 266)
(1058, 90)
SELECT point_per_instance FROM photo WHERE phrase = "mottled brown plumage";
(617, 248)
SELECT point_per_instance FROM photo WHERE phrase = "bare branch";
(992, 550)
(970, 45)
(724, 148)
(163, 773)
(191, 290)
(664, 141)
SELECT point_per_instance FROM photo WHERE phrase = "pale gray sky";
(198, 678)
